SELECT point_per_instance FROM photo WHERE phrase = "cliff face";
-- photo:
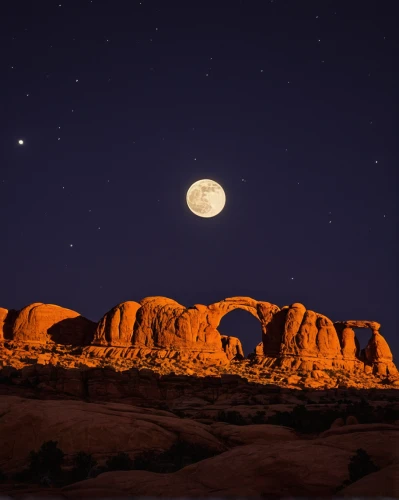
(292, 337)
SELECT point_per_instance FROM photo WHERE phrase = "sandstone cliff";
(292, 337)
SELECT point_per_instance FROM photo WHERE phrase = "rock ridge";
(291, 337)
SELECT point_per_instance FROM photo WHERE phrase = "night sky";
(122, 105)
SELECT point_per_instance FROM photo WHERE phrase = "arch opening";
(244, 326)
(363, 336)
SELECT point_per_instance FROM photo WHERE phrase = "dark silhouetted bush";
(304, 421)
(3, 477)
(231, 417)
(259, 417)
(121, 461)
(179, 413)
(360, 465)
(83, 464)
(44, 466)
(179, 455)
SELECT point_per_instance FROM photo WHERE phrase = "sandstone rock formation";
(44, 323)
(298, 468)
(7, 319)
(292, 337)
(100, 429)
(232, 347)
(116, 327)
(246, 460)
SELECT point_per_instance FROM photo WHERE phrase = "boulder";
(116, 327)
(338, 422)
(232, 347)
(3, 316)
(378, 353)
(7, 319)
(351, 420)
(42, 323)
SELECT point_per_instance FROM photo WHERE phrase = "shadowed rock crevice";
(77, 331)
(7, 320)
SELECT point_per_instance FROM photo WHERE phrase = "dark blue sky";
(122, 105)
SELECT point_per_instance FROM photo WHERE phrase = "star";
(71, 245)
(20, 142)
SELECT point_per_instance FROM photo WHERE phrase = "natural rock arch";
(244, 328)
(292, 337)
(376, 354)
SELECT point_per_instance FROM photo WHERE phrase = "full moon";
(206, 198)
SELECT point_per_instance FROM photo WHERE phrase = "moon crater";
(206, 198)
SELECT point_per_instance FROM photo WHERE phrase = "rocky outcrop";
(99, 429)
(236, 460)
(232, 347)
(292, 337)
(7, 319)
(43, 323)
(116, 327)
(379, 355)
(297, 468)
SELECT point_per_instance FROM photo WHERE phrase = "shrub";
(44, 465)
(304, 421)
(231, 417)
(121, 461)
(259, 417)
(83, 464)
(360, 465)
(179, 455)
(3, 477)
(179, 413)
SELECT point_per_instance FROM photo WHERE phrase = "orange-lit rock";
(232, 347)
(50, 323)
(291, 337)
(7, 319)
(378, 354)
(116, 327)
(3, 316)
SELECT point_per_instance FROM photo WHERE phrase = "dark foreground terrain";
(188, 436)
